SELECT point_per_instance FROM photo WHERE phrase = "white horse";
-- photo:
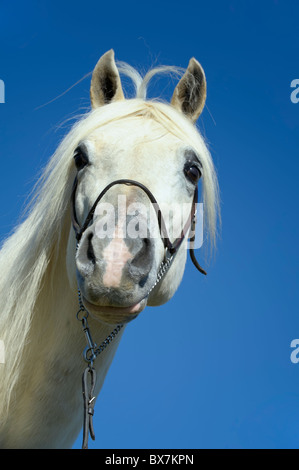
(153, 143)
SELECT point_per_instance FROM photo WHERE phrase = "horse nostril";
(140, 265)
(141, 259)
(90, 252)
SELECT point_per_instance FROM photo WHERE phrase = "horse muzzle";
(115, 274)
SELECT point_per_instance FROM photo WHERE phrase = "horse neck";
(46, 411)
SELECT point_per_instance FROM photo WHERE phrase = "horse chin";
(114, 315)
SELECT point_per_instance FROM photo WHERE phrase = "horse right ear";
(105, 82)
(190, 94)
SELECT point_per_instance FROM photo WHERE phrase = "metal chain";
(92, 351)
(90, 354)
(164, 266)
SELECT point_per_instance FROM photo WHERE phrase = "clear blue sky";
(211, 369)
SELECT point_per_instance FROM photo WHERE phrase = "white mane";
(28, 256)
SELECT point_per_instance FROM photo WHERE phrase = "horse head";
(138, 156)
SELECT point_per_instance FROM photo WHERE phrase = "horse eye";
(192, 172)
(81, 159)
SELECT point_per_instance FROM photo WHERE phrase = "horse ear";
(105, 82)
(190, 93)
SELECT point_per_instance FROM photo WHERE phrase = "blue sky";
(211, 369)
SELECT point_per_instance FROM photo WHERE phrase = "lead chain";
(92, 351)
(90, 354)
(165, 265)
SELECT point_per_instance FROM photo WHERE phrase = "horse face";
(120, 252)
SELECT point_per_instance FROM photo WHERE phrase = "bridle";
(170, 250)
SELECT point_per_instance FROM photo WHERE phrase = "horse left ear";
(190, 94)
(105, 82)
